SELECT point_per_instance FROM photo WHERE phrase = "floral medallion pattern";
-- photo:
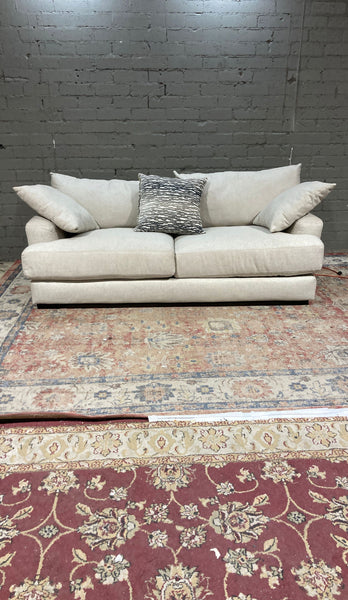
(155, 521)
(239, 522)
(178, 359)
(107, 529)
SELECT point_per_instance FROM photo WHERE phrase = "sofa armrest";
(308, 225)
(39, 229)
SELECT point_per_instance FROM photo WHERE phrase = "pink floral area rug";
(142, 360)
(242, 511)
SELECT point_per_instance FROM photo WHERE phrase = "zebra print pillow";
(169, 205)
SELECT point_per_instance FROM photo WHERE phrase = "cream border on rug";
(28, 448)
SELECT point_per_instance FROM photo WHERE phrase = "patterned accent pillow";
(170, 205)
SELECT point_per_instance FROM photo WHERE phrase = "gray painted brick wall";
(109, 88)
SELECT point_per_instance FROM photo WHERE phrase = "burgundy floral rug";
(242, 511)
(135, 360)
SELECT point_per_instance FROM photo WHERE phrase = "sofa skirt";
(161, 291)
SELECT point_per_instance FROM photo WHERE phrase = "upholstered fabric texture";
(308, 225)
(121, 253)
(38, 229)
(113, 253)
(169, 205)
(292, 204)
(113, 203)
(236, 197)
(233, 289)
(246, 251)
(58, 207)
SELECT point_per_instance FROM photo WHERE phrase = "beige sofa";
(260, 242)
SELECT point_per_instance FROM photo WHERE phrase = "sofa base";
(160, 291)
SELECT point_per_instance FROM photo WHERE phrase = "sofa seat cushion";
(116, 253)
(246, 251)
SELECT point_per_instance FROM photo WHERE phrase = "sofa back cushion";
(236, 197)
(112, 203)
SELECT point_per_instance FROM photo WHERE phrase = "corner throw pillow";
(170, 205)
(57, 207)
(292, 204)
